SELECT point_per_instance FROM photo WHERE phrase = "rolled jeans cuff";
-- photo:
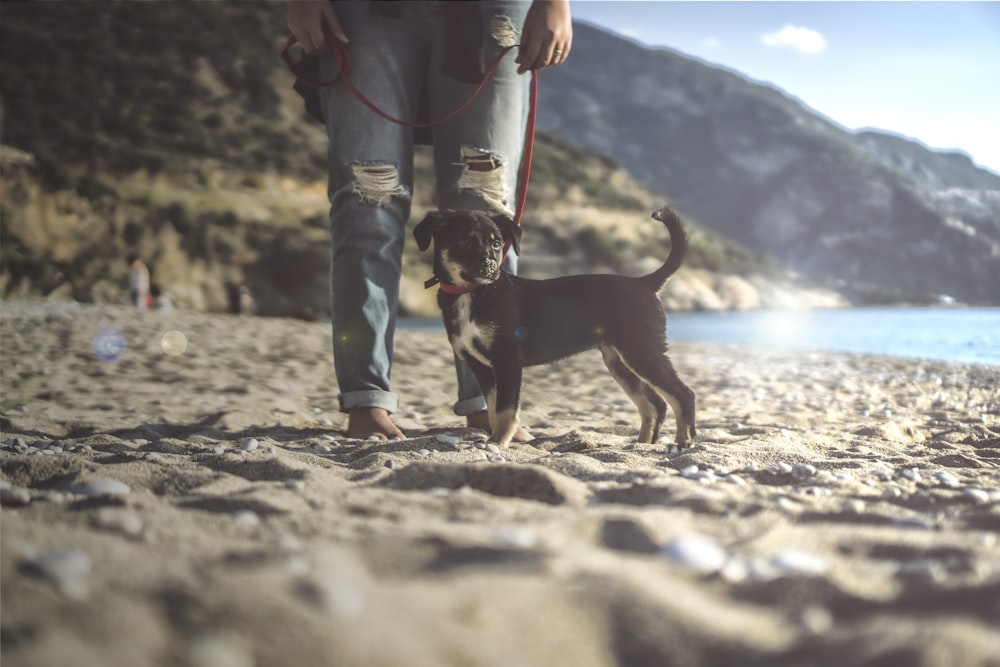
(369, 399)
(470, 406)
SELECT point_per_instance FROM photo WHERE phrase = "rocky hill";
(171, 129)
(882, 217)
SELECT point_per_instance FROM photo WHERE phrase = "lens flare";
(174, 343)
(109, 345)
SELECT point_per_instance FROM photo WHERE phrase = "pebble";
(696, 552)
(67, 568)
(492, 448)
(13, 496)
(249, 444)
(689, 471)
(916, 522)
(735, 479)
(246, 519)
(946, 478)
(854, 506)
(119, 520)
(911, 474)
(295, 484)
(102, 486)
(798, 562)
(218, 449)
(788, 505)
(803, 470)
(446, 439)
(882, 475)
(976, 495)
(438, 491)
(424, 452)
(321, 449)
(513, 536)
(390, 464)
(753, 466)
(784, 467)
(892, 492)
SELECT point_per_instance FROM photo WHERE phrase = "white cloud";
(796, 37)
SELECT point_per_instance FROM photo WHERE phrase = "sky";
(925, 70)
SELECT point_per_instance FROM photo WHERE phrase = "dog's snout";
(492, 265)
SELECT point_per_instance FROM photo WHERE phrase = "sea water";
(970, 335)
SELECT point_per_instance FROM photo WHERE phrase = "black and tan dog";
(499, 323)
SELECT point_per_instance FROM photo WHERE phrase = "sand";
(203, 508)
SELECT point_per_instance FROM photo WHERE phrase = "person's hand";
(306, 20)
(546, 36)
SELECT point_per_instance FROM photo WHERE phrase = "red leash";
(343, 56)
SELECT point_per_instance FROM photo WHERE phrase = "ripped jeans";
(477, 155)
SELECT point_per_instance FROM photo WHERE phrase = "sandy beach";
(192, 501)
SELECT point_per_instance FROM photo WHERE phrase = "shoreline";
(204, 508)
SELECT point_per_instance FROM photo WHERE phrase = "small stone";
(119, 520)
(696, 552)
(373, 438)
(424, 452)
(246, 519)
(788, 505)
(295, 484)
(753, 466)
(325, 422)
(13, 496)
(438, 491)
(321, 449)
(976, 495)
(218, 449)
(816, 620)
(67, 568)
(492, 448)
(735, 479)
(798, 563)
(390, 464)
(882, 475)
(783, 467)
(916, 522)
(946, 478)
(249, 444)
(689, 471)
(102, 486)
(446, 439)
(803, 470)
(854, 506)
(892, 492)
(911, 474)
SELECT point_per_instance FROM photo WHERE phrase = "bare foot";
(481, 420)
(367, 422)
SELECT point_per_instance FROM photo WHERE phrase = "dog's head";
(468, 245)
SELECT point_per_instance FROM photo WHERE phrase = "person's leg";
(477, 154)
(370, 162)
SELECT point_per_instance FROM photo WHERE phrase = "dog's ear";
(424, 230)
(510, 231)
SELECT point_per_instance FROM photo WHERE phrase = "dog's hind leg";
(659, 373)
(652, 408)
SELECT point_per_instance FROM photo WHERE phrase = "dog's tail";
(678, 248)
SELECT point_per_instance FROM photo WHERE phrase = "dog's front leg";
(505, 415)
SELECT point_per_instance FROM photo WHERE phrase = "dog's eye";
(496, 244)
